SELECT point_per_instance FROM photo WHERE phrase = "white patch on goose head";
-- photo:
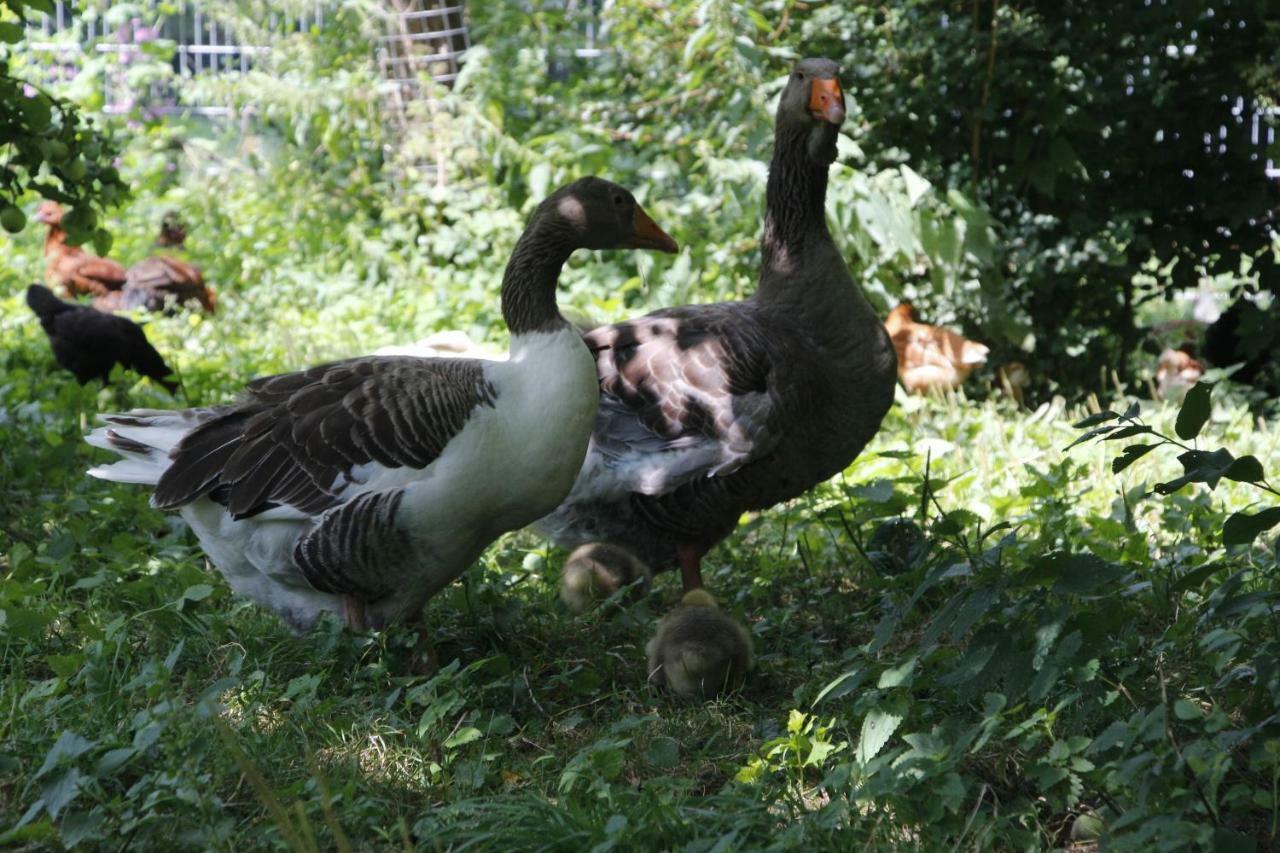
(572, 210)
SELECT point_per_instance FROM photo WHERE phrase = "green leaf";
(1129, 432)
(68, 747)
(10, 32)
(1185, 709)
(1203, 466)
(663, 752)
(1246, 469)
(1093, 433)
(877, 727)
(1242, 528)
(1095, 419)
(78, 827)
(59, 792)
(1229, 841)
(461, 737)
(1195, 411)
(102, 241)
(38, 111)
(198, 592)
(896, 676)
(975, 660)
(539, 180)
(1130, 455)
(113, 759)
(845, 684)
(1195, 577)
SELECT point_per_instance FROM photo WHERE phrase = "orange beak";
(650, 236)
(826, 101)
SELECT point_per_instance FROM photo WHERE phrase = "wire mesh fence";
(423, 37)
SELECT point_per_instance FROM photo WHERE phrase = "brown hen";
(931, 358)
(71, 268)
(161, 281)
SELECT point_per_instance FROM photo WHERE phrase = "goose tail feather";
(143, 439)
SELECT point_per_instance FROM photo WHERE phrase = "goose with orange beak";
(711, 411)
(364, 486)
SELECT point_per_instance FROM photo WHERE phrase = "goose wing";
(684, 393)
(301, 438)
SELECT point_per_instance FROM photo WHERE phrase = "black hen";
(89, 343)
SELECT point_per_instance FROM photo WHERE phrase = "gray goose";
(707, 411)
(364, 486)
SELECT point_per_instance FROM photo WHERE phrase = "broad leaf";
(1195, 411)
(877, 727)
(1246, 469)
(1242, 528)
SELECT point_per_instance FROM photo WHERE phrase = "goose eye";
(618, 200)
(799, 75)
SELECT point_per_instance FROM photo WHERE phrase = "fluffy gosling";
(698, 649)
(596, 571)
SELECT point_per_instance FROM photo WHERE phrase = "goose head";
(593, 213)
(812, 103)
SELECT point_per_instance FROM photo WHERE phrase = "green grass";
(142, 703)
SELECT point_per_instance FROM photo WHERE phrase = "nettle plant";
(1209, 467)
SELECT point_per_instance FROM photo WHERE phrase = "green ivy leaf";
(1195, 411)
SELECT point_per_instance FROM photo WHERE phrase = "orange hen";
(931, 358)
(71, 268)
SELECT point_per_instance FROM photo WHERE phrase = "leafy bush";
(1097, 142)
(51, 148)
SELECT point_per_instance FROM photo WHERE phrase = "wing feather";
(295, 438)
(685, 393)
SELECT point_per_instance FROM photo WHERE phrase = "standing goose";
(707, 411)
(364, 486)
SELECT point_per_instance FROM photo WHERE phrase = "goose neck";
(529, 283)
(795, 198)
